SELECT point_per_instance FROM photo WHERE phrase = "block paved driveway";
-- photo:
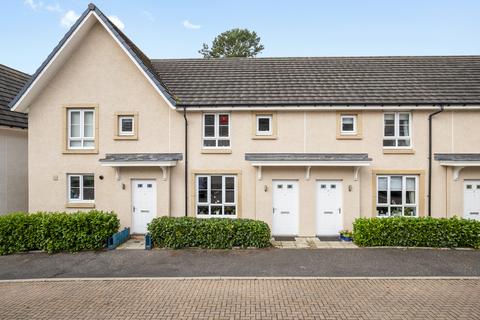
(242, 299)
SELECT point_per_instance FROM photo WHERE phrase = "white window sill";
(217, 150)
(80, 205)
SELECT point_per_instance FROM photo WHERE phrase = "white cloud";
(69, 18)
(116, 21)
(54, 8)
(187, 24)
(34, 5)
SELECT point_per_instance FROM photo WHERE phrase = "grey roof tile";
(251, 82)
(307, 157)
(11, 82)
(457, 156)
(142, 157)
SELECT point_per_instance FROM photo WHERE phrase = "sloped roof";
(11, 81)
(139, 57)
(141, 157)
(307, 157)
(422, 80)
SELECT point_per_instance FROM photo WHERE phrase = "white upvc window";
(397, 195)
(81, 188)
(81, 129)
(263, 125)
(397, 130)
(348, 124)
(216, 196)
(216, 130)
(126, 125)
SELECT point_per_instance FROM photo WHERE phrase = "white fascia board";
(327, 108)
(310, 163)
(460, 163)
(139, 164)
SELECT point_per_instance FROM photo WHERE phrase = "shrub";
(216, 233)
(417, 232)
(58, 231)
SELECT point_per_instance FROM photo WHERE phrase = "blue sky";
(29, 29)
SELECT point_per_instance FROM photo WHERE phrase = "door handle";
(339, 210)
(133, 208)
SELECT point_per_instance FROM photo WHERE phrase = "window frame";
(396, 137)
(82, 138)
(355, 124)
(122, 133)
(216, 136)
(81, 187)
(270, 124)
(209, 203)
(404, 203)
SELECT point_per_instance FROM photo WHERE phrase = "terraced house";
(305, 144)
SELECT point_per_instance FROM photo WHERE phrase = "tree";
(233, 43)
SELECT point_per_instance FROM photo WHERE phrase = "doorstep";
(312, 243)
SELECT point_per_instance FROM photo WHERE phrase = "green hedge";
(416, 232)
(176, 233)
(56, 231)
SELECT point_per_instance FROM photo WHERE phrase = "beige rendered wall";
(100, 73)
(13, 170)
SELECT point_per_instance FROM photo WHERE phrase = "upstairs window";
(216, 130)
(126, 125)
(348, 124)
(81, 129)
(264, 125)
(397, 130)
(81, 188)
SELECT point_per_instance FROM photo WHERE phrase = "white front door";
(144, 204)
(329, 208)
(471, 202)
(285, 208)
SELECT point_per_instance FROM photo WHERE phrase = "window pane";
(216, 182)
(388, 143)
(210, 120)
(216, 196)
(382, 190)
(203, 196)
(229, 183)
(382, 197)
(396, 190)
(223, 131)
(202, 210)
(75, 131)
(223, 119)
(404, 120)
(88, 181)
(264, 124)
(75, 117)
(389, 125)
(395, 211)
(88, 124)
(202, 183)
(74, 181)
(209, 131)
(382, 211)
(209, 143)
(127, 125)
(224, 143)
(403, 142)
(409, 211)
(89, 143)
(216, 210)
(75, 144)
(74, 193)
(230, 210)
(230, 196)
(88, 194)
(347, 124)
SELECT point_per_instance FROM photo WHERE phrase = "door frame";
(317, 203)
(132, 181)
(297, 222)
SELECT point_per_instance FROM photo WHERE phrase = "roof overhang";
(310, 163)
(458, 161)
(63, 51)
(322, 107)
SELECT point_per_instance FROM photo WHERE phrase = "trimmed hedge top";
(214, 233)
(56, 231)
(417, 232)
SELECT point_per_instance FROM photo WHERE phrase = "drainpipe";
(430, 154)
(186, 160)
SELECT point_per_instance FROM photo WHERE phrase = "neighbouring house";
(13, 144)
(305, 144)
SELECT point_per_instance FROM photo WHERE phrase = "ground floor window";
(216, 196)
(81, 188)
(397, 195)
